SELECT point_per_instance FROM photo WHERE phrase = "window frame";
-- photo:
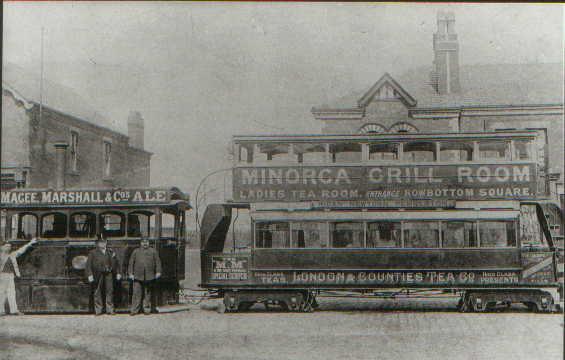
(101, 223)
(83, 212)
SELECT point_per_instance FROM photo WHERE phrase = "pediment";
(386, 88)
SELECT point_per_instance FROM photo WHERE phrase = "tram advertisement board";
(84, 197)
(386, 277)
(362, 183)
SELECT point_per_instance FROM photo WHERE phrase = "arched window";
(372, 129)
(82, 225)
(141, 224)
(403, 127)
(54, 225)
(112, 224)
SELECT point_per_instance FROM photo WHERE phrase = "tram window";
(82, 225)
(141, 224)
(383, 234)
(310, 153)
(272, 235)
(383, 152)
(167, 225)
(307, 235)
(494, 150)
(346, 152)
(54, 225)
(459, 234)
(497, 233)
(245, 153)
(112, 224)
(26, 226)
(455, 151)
(419, 151)
(530, 229)
(273, 152)
(421, 234)
(347, 235)
(522, 150)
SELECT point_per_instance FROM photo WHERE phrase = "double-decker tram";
(450, 212)
(66, 223)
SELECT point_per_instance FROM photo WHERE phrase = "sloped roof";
(386, 79)
(481, 85)
(55, 96)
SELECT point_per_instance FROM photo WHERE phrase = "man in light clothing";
(144, 269)
(8, 270)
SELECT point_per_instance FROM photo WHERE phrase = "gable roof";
(481, 85)
(386, 79)
(25, 86)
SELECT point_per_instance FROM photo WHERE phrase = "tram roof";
(93, 198)
(389, 136)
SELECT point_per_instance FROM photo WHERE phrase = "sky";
(202, 72)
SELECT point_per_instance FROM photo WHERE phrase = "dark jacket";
(144, 264)
(99, 263)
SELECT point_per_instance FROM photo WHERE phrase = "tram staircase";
(554, 221)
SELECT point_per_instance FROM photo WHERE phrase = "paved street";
(340, 329)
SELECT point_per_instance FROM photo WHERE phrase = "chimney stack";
(136, 130)
(445, 75)
(60, 164)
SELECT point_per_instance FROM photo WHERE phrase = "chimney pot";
(136, 129)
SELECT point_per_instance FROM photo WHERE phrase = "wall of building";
(55, 126)
(15, 133)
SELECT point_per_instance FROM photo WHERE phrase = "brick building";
(449, 97)
(98, 154)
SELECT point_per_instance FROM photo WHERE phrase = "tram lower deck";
(53, 278)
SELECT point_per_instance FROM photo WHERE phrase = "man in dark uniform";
(101, 267)
(144, 268)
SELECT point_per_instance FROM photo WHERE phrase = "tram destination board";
(362, 183)
(84, 197)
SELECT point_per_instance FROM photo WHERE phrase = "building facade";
(96, 154)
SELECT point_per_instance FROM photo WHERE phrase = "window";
(459, 234)
(383, 151)
(107, 158)
(455, 151)
(112, 224)
(530, 229)
(272, 235)
(245, 153)
(346, 152)
(141, 224)
(82, 225)
(74, 150)
(497, 233)
(522, 150)
(383, 234)
(347, 235)
(419, 151)
(26, 226)
(310, 153)
(168, 222)
(54, 225)
(494, 150)
(307, 235)
(421, 234)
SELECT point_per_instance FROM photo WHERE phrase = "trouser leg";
(147, 292)
(98, 302)
(11, 294)
(136, 297)
(109, 287)
(3, 292)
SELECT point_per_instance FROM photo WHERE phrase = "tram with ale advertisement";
(454, 212)
(66, 224)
